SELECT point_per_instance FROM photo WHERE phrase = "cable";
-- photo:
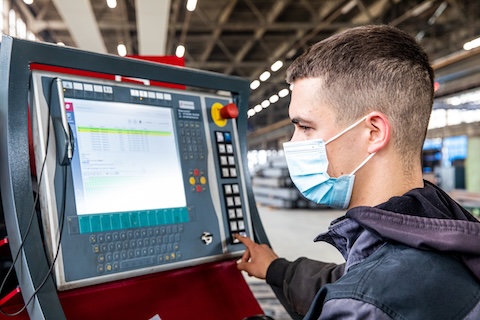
(33, 214)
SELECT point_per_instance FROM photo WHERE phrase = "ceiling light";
(191, 5)
(258, 108)
(274, 98)
(276, 65)
(255, 84)
(112, 4)
(60, 43)
(180, 52)
(122, 50)
(250, 112)
(471, 44)
(29, 2)
(265, 103)
(283, 93)
(264, 76)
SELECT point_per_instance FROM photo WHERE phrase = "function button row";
(157, 98)
(227, 160)
(189, 124)
(229, 173)
(236, 226)
(137, 233)
(235, 240)
(231, 189)
(221, 136)
(192, 144)
(235, 213)
(191, 133)
(136, 263)
(164, 244)
(233, 201)
(225, 148)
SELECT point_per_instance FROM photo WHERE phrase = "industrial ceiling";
(245, 37)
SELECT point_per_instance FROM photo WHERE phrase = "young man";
(361, 102)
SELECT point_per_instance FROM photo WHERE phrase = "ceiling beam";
(82, 24)
(152, 25)
(272, 15)
(222, 19)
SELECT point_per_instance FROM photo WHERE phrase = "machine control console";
(147, 179)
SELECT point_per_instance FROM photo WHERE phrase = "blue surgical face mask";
(308, 163)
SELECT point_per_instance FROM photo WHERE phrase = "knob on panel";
(230, 111)
(220, 113)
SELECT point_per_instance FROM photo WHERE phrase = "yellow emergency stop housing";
(215, 113)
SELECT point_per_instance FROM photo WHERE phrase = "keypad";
(132, 249)
(192, 142)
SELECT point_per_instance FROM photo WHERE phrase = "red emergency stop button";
(230, 111)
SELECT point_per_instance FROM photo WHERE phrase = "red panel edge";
(211, 291)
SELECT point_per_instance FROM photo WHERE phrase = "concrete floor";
(291, 233)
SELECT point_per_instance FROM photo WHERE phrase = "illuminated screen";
(125, 164)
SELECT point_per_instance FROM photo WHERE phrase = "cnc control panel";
(135, 179)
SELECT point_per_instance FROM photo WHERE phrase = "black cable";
(33, 214)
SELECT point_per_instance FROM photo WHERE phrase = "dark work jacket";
(413, 257)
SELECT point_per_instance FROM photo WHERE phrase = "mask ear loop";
(363, 163)
(345, 130)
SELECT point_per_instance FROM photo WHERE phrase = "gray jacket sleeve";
(351, 309)
(302, 279)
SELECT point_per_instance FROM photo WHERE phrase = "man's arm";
(300, 280)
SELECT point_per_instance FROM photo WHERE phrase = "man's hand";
(256, 259)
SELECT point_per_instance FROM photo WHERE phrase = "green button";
(106, 223)
(176, 215)
(152, 218)
(134, 219)
(143, 218)
(115, 219)
(160, 217)
(125, 220)
(95, 223)
(168, 216)
(184, 215)
(84, 223)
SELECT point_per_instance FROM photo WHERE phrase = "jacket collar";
(354, 242)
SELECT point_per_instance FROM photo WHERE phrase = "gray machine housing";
(25, 233)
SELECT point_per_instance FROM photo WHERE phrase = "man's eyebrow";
(298, 120)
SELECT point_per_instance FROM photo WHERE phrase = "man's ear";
(380, 131)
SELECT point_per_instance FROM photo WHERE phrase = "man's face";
(313, 119)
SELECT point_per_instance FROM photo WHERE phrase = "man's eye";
(304, 128)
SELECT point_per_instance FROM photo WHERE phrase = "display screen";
(126, 161)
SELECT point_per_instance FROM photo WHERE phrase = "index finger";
(247, 242)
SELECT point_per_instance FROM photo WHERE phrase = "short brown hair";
(374, 68)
